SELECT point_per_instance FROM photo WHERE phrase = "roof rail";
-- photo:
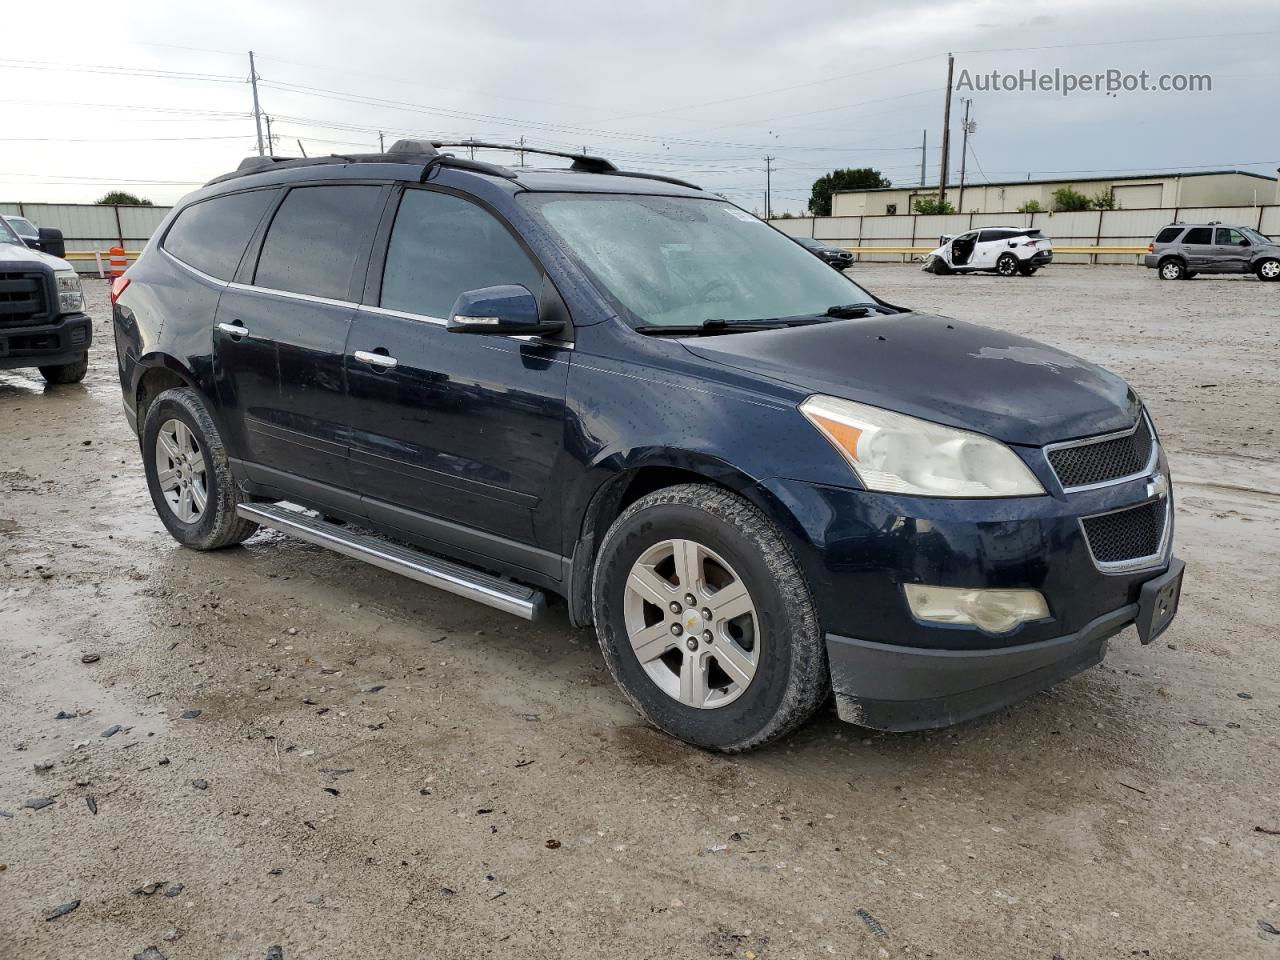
(428, 153)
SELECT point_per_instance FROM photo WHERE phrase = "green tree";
(1031, 206)
(124, 199)
(862, 178)
(1069, 200)
(1106, 200)
(931, 205)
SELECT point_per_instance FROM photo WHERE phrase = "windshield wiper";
(848, 311)
(711, 326)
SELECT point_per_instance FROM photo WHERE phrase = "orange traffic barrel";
(118, 262)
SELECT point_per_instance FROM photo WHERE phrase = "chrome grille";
(1132, 534)
(22, 299)
(1105, 459)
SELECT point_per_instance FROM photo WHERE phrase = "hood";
(24, 256)
(959, 374)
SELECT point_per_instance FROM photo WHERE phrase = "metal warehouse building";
(1210, 188)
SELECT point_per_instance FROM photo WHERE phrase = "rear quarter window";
(1168, 234)
(1198, 235)
(211, 235)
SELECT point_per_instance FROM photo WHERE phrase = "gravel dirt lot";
(321, 756)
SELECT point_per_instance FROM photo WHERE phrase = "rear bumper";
(1151, 260)
(888, 687)
(47, 344)
(1041, 258)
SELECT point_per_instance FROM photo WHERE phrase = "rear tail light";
(118, 286)
(1151, 247)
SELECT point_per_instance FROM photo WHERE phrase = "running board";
(524, 602)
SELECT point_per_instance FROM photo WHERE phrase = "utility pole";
(946, 133)
(522, 149)
(381, 146)
(768, 185)
(257, 111)
(271, 141)
(924, 149)
(968, 128)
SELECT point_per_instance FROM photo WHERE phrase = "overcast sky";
(702, 90)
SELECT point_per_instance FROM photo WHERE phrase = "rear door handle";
(379, 360)
(234, 329)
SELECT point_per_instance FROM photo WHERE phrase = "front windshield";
(1254, 235)
(680, 261)
(7, 235)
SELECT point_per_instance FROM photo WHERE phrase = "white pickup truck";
(1008, 251)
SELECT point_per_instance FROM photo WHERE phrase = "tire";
(1268, 270)
(72, 372)
(1007, 265)
(738, 547)
(1171, 269)
(206, 519)
(938, 266)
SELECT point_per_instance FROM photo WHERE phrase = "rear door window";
(316, 239)
(1199, 235)
(211, 235)
(1168, 234)
(441, 246)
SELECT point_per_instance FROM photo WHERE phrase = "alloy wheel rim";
(180, 471)
(1007, 266)
(692, 624)
(1170, 271)
(1271, 269)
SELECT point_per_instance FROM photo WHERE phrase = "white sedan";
(1007, 251)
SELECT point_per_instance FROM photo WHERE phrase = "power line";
(9, 64)
(1116, 43)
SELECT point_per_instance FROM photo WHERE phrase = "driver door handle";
(379, 360)
(234, 329)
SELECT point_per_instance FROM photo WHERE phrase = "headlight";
(993, 611)
(70, 294)
(894, 453)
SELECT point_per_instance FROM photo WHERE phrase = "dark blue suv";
(760, 482)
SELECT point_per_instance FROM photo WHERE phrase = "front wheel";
(1007, 265)
(1269, 270)
(705, 620)
(189, 475)
(72, 372)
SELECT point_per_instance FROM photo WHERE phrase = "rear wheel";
(705, 620)
(1172, 269)
(1268, 270)
(188, 473)
(1007, 265)
(72, 372)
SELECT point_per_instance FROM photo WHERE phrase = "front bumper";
(858, 548)
(45, 345)
(887, 687)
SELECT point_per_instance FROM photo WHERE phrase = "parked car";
(1182, 250)
(46, 239)
(42, 318)
(1008, 251)
(831, 256)
(759, 481)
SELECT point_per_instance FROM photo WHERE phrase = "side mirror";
(505, 310)
(1245, 243)
(51, 242)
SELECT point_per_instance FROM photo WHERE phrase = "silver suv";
(1181, 250)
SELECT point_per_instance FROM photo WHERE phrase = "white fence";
(87, 227)
(1094, 228)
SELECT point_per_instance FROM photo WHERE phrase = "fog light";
(995, 611)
